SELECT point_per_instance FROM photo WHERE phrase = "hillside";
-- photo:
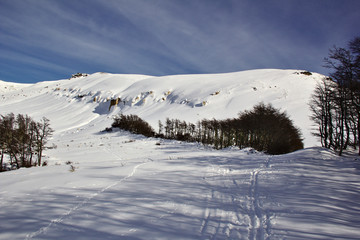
(117, 185)
(186, 97)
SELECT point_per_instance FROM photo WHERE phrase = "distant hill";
(84, 101)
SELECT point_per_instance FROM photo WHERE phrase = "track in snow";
(260, 222)
(242, 215)
(80, 205)
(260, 227)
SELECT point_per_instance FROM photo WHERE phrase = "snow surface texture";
(122, 186)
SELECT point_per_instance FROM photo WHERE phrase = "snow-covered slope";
(9, 86)
(129, 187)
(121, 186)
(186, 97)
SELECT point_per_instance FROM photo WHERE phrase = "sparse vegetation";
(307, 73)
(77, 75)
(22, 139)
(264, 128)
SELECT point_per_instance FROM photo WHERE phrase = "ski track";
(247, 220)
(71, 211)
(215, 224)
(260, 225)
(256, 228)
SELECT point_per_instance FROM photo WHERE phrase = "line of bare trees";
(22, 140)
(335, 104)
(264, 128)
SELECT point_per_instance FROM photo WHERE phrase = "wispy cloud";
(169, 37)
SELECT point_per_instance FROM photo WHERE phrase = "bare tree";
(42, 132)
(345, 63)
(21, 138)
(322, 108)
(263, 128)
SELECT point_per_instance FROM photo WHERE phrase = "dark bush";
(307, 73)
(267, 129)
(133, 124)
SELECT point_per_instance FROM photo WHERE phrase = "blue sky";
(52, 39)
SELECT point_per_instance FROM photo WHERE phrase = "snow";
(186, 97)
(125, 186)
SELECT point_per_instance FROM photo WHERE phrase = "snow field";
(121, 186)
(127, 186)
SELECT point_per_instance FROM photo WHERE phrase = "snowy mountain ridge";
(186, 97)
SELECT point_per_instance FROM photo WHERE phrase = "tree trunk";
(39, 155)
(16, 160)
(1, 161)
